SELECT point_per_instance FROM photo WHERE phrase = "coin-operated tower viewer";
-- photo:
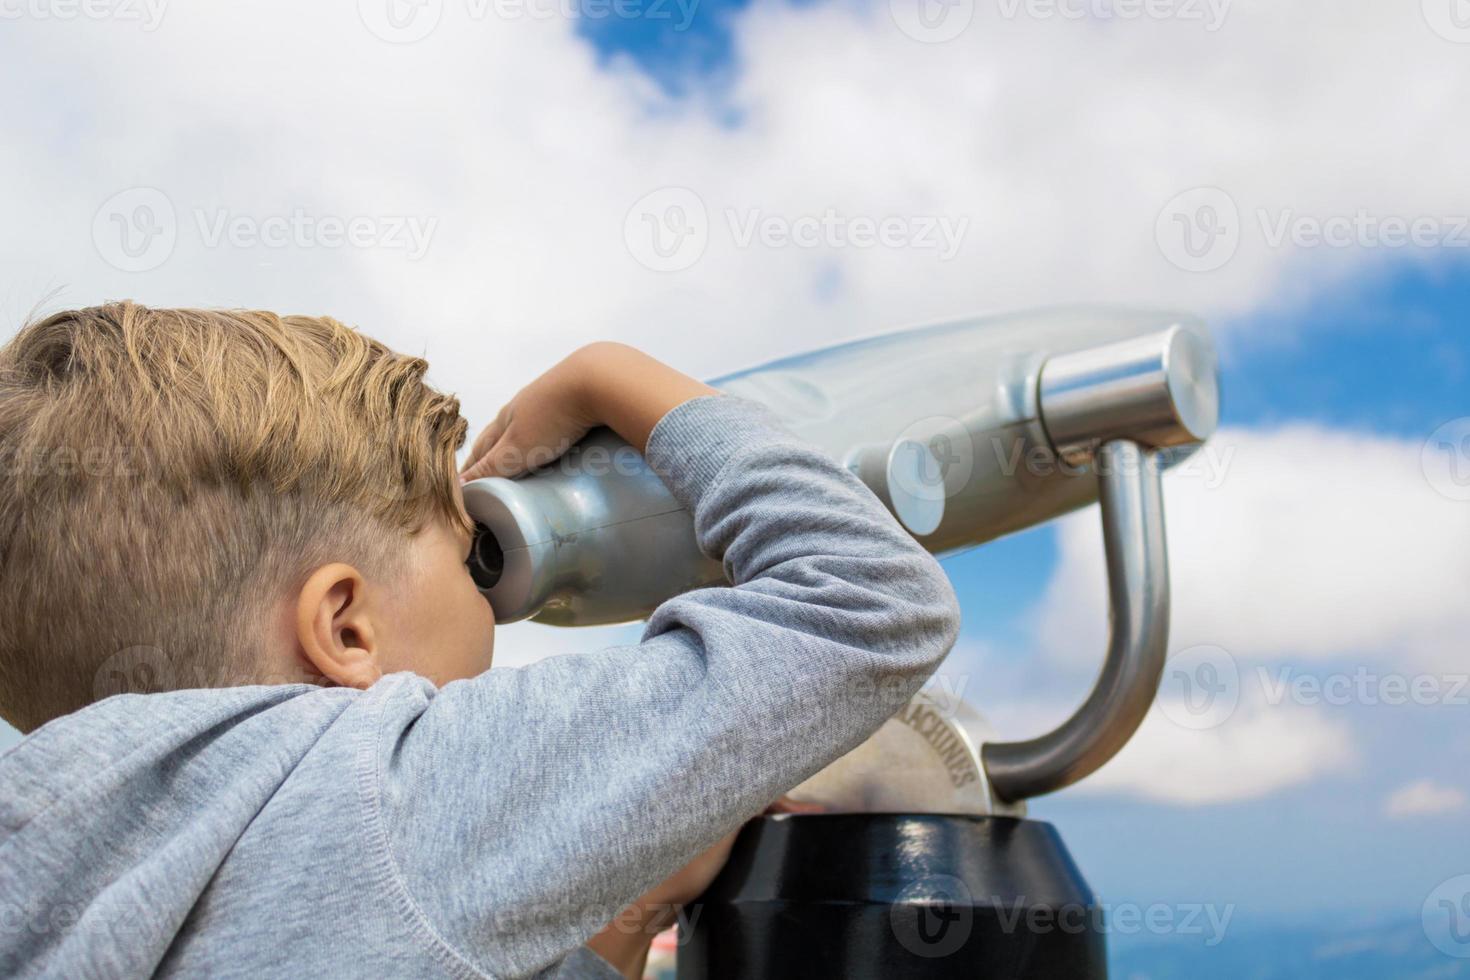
(924, 864)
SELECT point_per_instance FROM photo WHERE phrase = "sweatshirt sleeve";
(526, 806)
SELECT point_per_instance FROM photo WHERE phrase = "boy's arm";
(525, 808)
(601, 384)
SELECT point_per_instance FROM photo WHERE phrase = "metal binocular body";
(966, 431)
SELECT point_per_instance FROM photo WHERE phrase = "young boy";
(260, 518)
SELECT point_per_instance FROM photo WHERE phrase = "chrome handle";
(1138, 611)
(1113, 406)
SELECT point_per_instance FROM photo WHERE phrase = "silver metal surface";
(945, 424)
(1138, 607)
(594, 538)
(1160, 390)
(925, 759)
(908, 477)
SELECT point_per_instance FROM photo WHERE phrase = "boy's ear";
(334, 626)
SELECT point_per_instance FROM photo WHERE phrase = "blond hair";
(164, 474)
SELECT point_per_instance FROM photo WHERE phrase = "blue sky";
(1389, 356)
(529, 147)
(1385, 352)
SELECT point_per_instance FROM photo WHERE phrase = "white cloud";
(1310, 547)
(1424, 798)
(1257, 750)
(1306, 543)
(1252, 755)
(1059, 141)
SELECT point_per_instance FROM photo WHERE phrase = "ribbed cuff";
(691, 445)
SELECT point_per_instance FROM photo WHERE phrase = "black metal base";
(883, 896)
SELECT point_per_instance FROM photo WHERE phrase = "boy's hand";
(600, 384)
(624, 942)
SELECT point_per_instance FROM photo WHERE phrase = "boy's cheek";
(473, 648)
(444, 633)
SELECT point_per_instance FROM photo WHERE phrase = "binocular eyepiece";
(487, 559)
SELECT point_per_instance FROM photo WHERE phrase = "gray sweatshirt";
(491, 826)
